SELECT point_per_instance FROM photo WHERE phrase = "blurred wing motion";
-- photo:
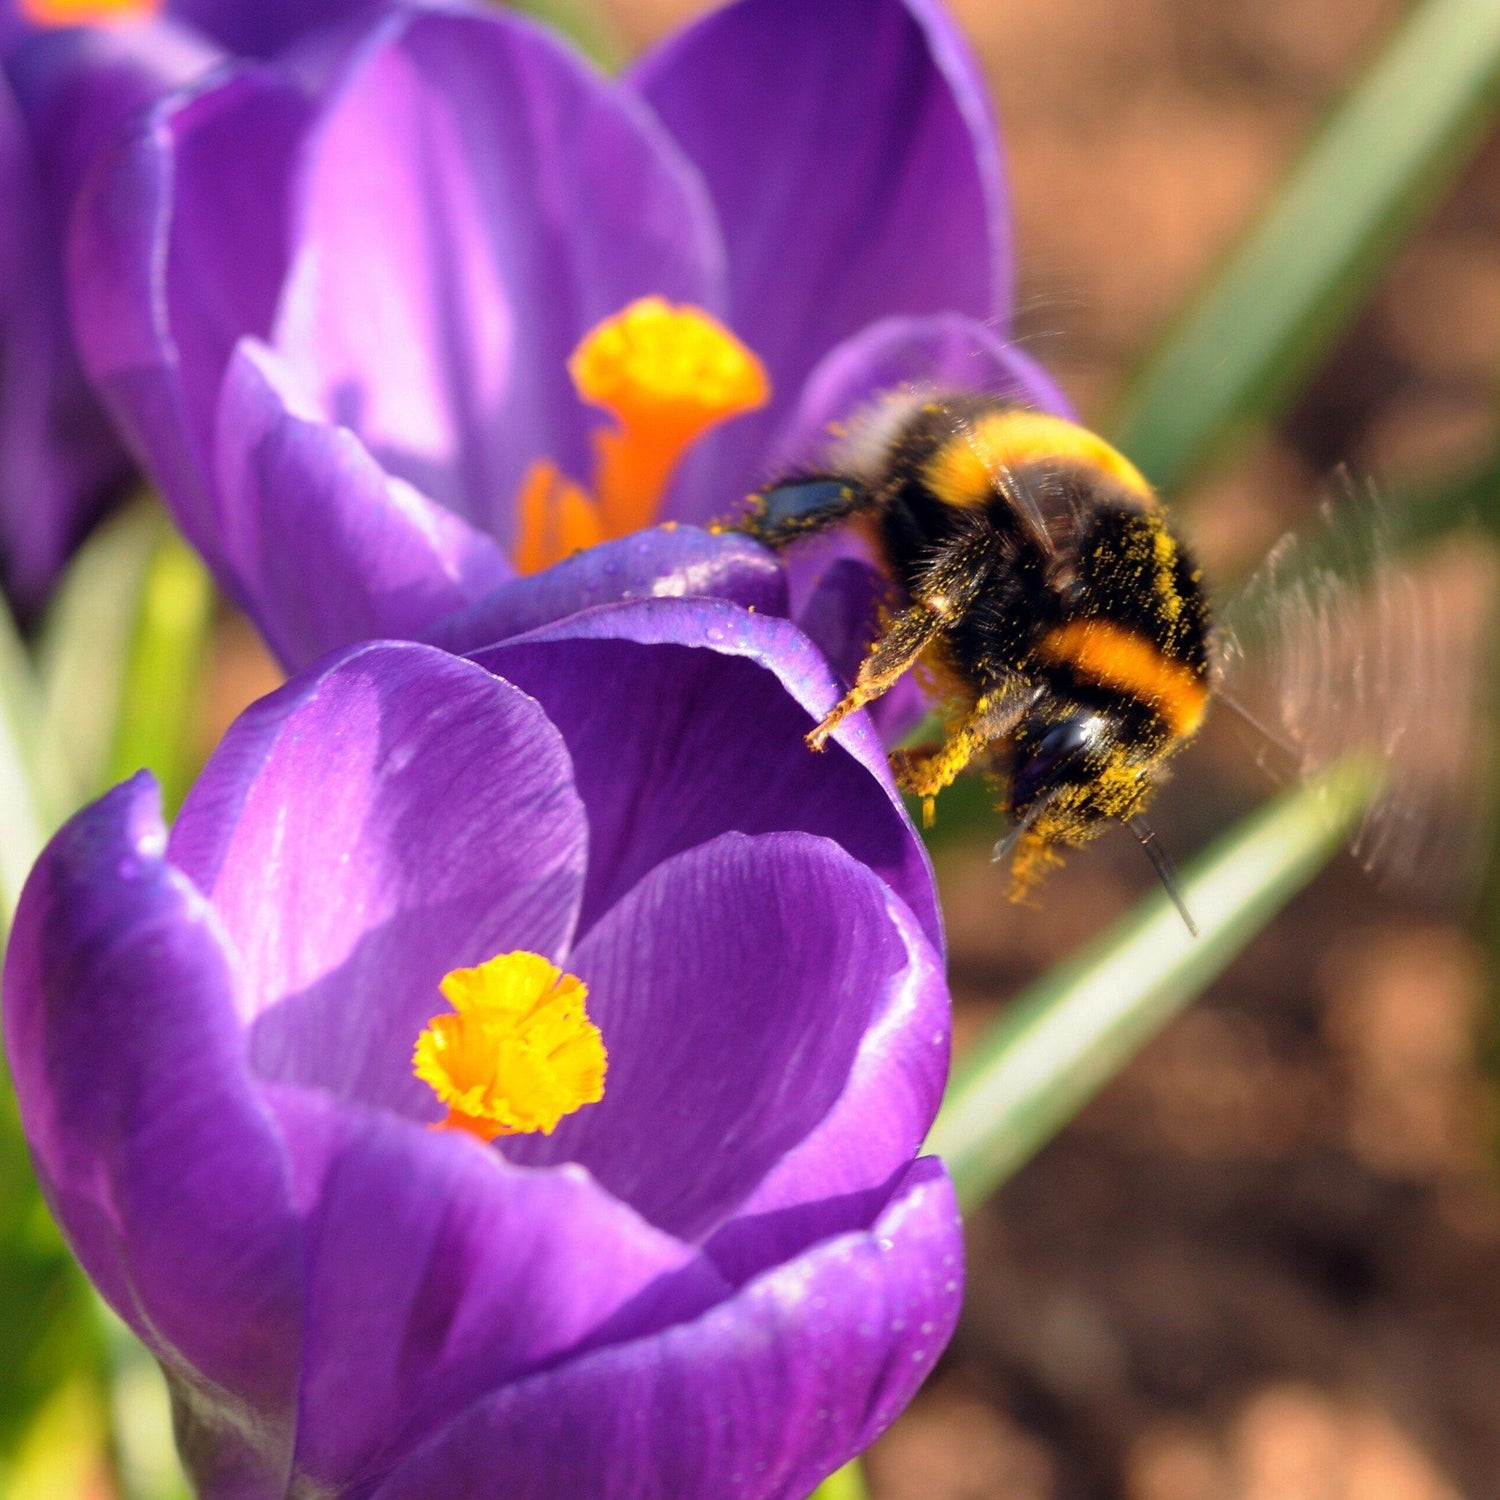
(1335, 647)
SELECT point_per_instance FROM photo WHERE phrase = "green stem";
(144, 1454)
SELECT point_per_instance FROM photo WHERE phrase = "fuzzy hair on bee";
(1037, 589)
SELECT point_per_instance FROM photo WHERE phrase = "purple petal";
(159, 1161)
(732, 987)
(841, 612)
(363, 831)
(58, 459)
(178, 251)
(685, 720)
(475, 199)
(759, 1399)
(266, 27)
(80, 86)
(839, 1176)
(60, 462)
(16, 170)
(437, 1272)
(853, 160)
(325, 547)
(664, 562)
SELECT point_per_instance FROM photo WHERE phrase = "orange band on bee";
(964, 471)
(1111, 657)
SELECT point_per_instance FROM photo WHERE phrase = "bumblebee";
(1041, 594)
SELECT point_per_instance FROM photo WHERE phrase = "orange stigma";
(666, 375)
(517, 1053)
(87, 12)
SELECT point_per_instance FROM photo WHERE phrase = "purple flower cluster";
(67, 93)
(351, 293)
(721, 1280)
(337, 324)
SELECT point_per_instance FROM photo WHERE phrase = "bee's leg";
(910, 633)
(780, 516)
(958, 575)
(924, 775)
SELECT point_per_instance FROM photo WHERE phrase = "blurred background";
(1265, 1264)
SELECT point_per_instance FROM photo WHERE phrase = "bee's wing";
(1335, 646)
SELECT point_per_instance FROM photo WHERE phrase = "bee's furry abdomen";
(1134, 572)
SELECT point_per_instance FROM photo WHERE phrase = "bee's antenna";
(1005, 846)
(1161, 862)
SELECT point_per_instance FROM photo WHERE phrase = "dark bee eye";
(1062, 744)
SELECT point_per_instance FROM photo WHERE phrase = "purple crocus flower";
(67, 91)
(722, 1279)
(340, 332)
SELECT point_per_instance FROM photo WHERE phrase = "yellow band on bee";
(963, 472)
(1111, 657)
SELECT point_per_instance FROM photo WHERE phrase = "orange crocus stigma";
(557, 518)
(518, 1051)
(666, 375)
(86, 12)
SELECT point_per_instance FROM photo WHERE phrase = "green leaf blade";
(165, 671)
(587, 25)
(1382, 161)
(85, 639)
(847, 1484)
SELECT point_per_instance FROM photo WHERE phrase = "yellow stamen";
(666, 375)
(519, 1051)
(86, 12)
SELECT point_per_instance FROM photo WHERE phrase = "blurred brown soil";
(1265, 1264)
(1262, 1265)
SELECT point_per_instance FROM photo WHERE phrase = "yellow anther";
(666, 375)
(86, 12)
(673, 367)
(518, 1052)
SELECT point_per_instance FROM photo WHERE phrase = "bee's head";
(1071, 772)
